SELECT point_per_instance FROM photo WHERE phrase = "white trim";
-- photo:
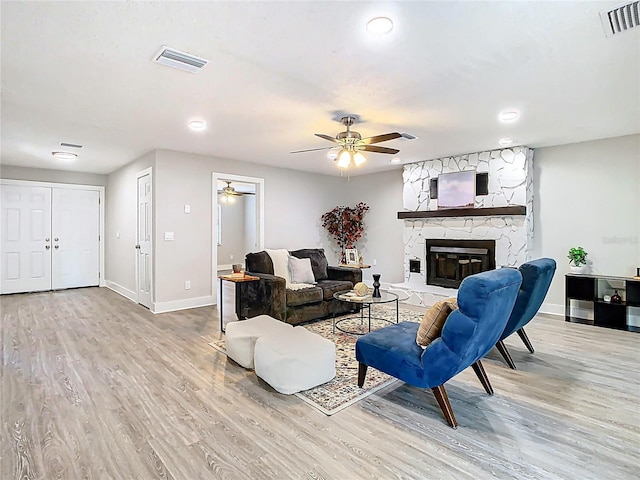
(119, 289)
(225, 267)
(552, 309)
(33, 183)
(215, 177)
(75, 186)
(172, 306)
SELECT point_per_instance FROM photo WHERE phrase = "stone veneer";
(510, 183)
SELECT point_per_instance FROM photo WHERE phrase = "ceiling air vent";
(180, 60)
(621, 19)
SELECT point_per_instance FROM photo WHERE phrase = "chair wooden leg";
(525, 339)
(482, 376)
(505, 354)
(362, 372)
(445, 406)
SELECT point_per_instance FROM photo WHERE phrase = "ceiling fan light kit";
(351, 144)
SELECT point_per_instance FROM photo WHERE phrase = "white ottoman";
(295, 360)
(241, 336)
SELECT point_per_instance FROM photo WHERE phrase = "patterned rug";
(343, 390)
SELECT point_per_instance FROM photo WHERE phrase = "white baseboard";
(125, 292)
(552, 309)
(172, 306)
(225, 267)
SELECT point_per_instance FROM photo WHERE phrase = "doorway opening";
(238, 219)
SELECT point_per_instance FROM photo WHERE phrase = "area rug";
(343, 390)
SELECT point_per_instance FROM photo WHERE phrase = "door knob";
(56, 246)
(47, 247)
(138, 247)
(55, 239)
(47, 239)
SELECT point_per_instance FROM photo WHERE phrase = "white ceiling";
(81, 72)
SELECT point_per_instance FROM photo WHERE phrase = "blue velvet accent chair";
(485, 301)
(536, 279)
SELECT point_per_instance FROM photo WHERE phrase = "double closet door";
(49, 238)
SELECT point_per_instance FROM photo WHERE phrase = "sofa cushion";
(259, 262)
(329, 287)
(300, 270)
(318, 259)
(303, 296)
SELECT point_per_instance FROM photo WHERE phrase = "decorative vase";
(616, 298)
(580, 269)
(376, 286)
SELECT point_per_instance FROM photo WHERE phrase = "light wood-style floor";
(95, 386)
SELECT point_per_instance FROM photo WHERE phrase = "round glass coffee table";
(365, 304)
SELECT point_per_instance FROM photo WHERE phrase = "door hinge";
(98, 237)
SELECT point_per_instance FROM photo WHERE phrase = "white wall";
(121, 213)
(294, 202)
(588, 194)
(382, 239)
(53, 176)
(250, 231)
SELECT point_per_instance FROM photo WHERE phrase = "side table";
(239, 281)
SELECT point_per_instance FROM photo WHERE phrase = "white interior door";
(75, 231)
(143, 246)
(25, 246)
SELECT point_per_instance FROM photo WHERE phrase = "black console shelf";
(593, 288)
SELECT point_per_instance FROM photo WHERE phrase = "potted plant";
(577, 259)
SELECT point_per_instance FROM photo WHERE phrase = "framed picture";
(351, 255)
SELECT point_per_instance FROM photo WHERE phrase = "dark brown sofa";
(269, 296)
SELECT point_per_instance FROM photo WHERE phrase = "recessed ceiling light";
(64, 155)
(505, 141)
(509, 116)
(395, 160)
(379, 25)
(197, 125)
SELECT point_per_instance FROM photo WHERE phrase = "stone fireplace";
(510, 184)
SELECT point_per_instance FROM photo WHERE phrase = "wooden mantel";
(466, 212)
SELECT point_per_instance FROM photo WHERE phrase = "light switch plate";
(187, 209)
(168, 236)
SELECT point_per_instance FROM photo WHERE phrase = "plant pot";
(577, 270)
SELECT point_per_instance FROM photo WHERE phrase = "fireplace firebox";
(450, 261)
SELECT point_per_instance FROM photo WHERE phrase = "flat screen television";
(457, 189)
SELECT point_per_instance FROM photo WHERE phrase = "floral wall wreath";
(345, 225)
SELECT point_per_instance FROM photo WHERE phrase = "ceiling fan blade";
(311, 149)
(376, 149)
(381, 138)
(326, 137)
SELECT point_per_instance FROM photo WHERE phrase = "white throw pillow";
(300, 270)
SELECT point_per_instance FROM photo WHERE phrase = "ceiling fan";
(351, 144)
(230, 191)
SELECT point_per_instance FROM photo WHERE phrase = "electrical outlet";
(374, 262)
(187, 284)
